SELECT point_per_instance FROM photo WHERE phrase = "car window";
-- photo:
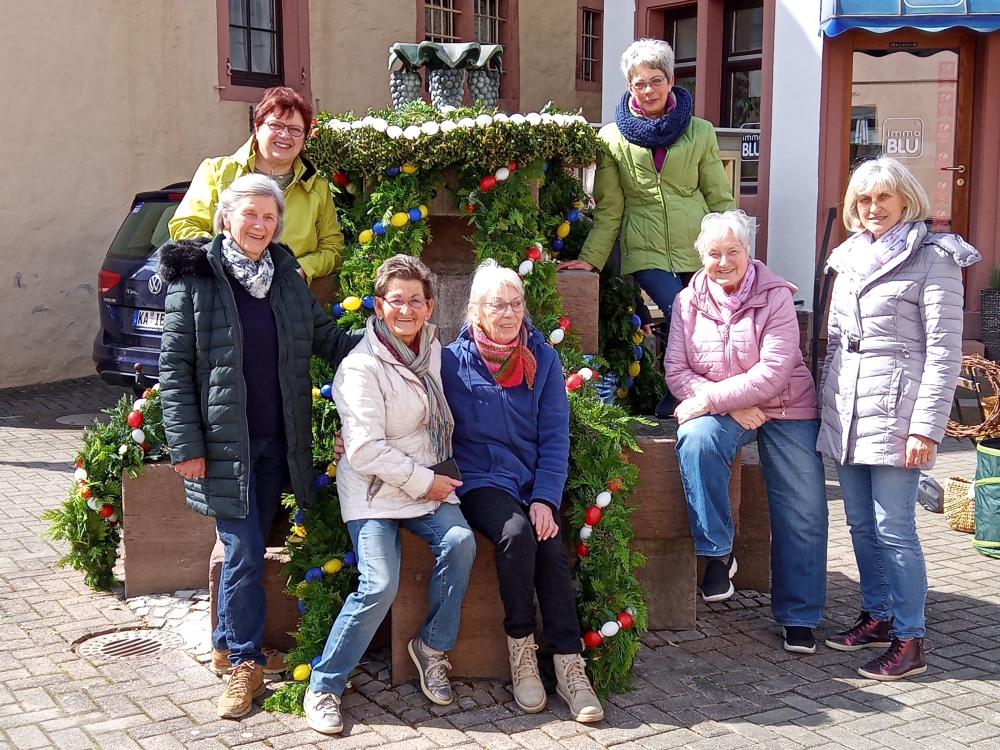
(143, 231)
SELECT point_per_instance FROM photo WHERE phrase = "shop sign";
(903, 137)
(751, 142)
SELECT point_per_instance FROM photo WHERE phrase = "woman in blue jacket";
(505, 388)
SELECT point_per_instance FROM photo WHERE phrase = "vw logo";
(155, 284)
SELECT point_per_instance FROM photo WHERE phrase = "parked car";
(131, 293)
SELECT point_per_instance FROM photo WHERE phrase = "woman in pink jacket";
(734, 361)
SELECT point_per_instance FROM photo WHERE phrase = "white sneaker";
(323, 712)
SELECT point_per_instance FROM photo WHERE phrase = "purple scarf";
(731, 303)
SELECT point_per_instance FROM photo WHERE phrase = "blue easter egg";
(302, 606)
(321, 481)
(315, 662)
(350, 558)
(392, 171)
(379, 227)
(629, 382)
(368, 301)
(326, 390)
(557, 244)
(415, 214)
(545, 167)
(638, 351)
(300, 516)
(636, 320)
(338, 310)
(573, 215)
(314, 574)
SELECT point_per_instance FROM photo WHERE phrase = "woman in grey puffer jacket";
(894, 351)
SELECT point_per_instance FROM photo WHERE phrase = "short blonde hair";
(885, 173)
(249, 186)
(489, 277)
(716, 226)
(654, 53)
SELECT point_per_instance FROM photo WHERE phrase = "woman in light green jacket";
(658, 174)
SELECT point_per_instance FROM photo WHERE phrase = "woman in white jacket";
(396, 425)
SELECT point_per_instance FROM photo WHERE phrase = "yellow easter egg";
(578, 204)
(638, 338)
(366, 236)
(351, 303)
(331, 470)
(633, 369)
(302, 672)
(332, 565)
(562, 230)
(316, 394)
(298, 530)
(400, 219)
(622, 393)
(423, 210)
(409, 168)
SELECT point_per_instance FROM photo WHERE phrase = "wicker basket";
(960, 505)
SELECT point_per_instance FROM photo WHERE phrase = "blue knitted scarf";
(661, 132)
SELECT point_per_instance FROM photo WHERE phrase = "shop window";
(680, 31)
(589, 47)
(441, 21)
(741, 74)
(255, 48)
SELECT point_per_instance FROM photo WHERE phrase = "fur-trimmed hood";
(190, 258)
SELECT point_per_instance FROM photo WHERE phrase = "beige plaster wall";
(113, 97)
(349, 50)
(548, 55)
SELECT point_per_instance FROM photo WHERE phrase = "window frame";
(750, 60)
(595, 84)
(688, 67)
(455, 13)
(249, 78)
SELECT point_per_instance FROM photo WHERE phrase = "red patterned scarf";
(508, 363)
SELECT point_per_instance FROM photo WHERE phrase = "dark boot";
(716, 584)
(902, 659)
(866, 633)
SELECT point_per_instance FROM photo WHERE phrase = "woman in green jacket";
(281, 123)
(658, 174)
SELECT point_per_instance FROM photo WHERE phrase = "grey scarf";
(254, 277)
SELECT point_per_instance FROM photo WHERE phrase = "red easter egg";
(145, 447)
(85, 494)
(564, 323)
(512, 165)
(340, 178)
(79, 463)
(593, 515)
(134, 419)
(625, 620)
(470, 208)
(592, 638)
(488, 182)
(582, 549)
(574, 381)
(534, 254)
(613, 484)
(106, 510)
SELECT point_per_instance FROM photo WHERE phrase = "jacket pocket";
(204, 401)
(892, 401)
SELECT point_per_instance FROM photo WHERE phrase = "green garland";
(90, 518)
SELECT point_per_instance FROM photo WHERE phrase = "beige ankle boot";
(573, 686)
(529, 693)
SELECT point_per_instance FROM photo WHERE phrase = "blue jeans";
(796, 499)
(241, 604)
(376, 541)
(880, 503)
(661, 286)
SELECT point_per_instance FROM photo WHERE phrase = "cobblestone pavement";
(726, 685)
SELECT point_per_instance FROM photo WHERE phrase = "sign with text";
(903, 137)
(751, 142)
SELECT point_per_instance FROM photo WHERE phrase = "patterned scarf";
(662, 131)
(254, 277)
(509, 364)
(440, 424)
(867, 255)
(730, 303)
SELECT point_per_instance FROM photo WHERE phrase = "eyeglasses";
(500, 307)
(397, 303)
(293, 130)
(651, 83)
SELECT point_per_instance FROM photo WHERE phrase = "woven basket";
(959, 505)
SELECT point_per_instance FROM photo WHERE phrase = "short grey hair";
(885, 173)
(654, 53)
(249, 186)
(489, 277)
(716, 226)
(404, 268)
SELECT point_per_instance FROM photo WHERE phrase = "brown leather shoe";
(901, 659)
(245, 684)
(221, 664)
(866, 633)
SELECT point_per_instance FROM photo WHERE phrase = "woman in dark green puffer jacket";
(240, 328)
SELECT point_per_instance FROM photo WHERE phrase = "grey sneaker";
(323, 712)
(433, 672)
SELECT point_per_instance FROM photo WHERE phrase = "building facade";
(125, 97)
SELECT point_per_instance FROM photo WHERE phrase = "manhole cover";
(124, 644)
(78, 420)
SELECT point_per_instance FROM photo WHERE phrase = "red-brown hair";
(279, 101)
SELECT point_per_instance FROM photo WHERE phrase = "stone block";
(451, 305)
(669, 579)
(166, 545)
(752, 545)
(481, 650)
(580, 291)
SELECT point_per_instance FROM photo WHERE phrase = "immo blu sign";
(751, 142)
(903, 137)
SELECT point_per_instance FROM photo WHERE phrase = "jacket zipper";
(663, 205)
(725, 349)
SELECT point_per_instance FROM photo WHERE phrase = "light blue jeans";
(880, 504)
(796, 499)
(376, 540)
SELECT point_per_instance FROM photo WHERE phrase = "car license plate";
(148, 320)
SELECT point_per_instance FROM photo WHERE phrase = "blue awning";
(928, 15)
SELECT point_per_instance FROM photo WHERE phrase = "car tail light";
(106, 280)
(175, 196)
